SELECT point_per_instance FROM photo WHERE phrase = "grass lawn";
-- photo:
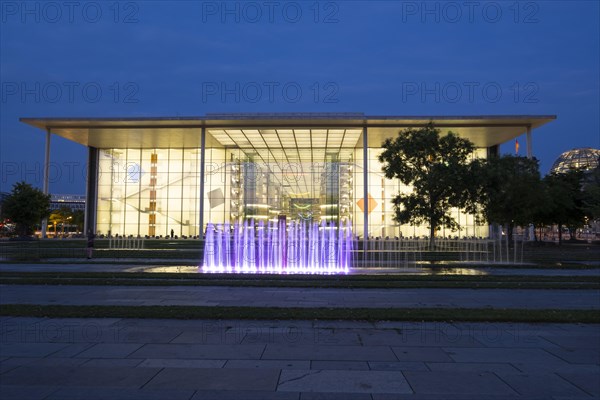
(274, 313)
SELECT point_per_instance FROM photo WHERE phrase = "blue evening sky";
(153, 58)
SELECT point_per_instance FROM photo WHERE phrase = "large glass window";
(148, 192)
(269, 174)
(311, 175)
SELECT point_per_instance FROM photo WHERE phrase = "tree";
(54, 219)
(78, 219)
(591, 194)
(566, 200)
(512, 191)
(26, 206)
(437, 168)
(60, 216)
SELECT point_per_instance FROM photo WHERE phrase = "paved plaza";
(174, 359)
(115, 358)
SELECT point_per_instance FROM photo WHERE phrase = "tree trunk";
(432, 237)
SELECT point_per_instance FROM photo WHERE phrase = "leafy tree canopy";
(26, 206)
(513, 191)
(564, 200)
(438, 169)
(591, 194)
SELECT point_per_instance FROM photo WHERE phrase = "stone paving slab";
(343, 381)
(502, 355)
(199, 351)
(447, 396)
(588, 382)
(71, 350)
(30, 349)
(398, 366)
(110, 350)
(216, 379)
(411, 337)
(269, 364)
(473, 367)
(340, 365)
(541, 385)
(37, 369)
(574, 341)
(578, 356)
(421, 354)
(444, 382)
(245, 395)
(202, 336)
(62, 330)
(334, 396)
(324, 352)
(42, 362)
(111, 362)
(84, 393)
(79, 376)
(176, 363)
(26, 392)
(567, 368)
(298, 335)
(149, 335)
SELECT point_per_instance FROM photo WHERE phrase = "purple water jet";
(277, 247)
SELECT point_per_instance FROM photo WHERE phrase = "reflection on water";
(453, 271)
(181, 269)
(419, 270)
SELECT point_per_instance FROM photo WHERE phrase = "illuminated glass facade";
(148, 192)
(161, 176)
(304, 174)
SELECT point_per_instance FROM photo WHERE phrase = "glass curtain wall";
(272, 174)
(148, 192)
(313, 175)
(381, 215)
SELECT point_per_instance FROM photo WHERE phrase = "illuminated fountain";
(275, 247)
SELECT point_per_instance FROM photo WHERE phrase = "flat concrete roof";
(177, 132)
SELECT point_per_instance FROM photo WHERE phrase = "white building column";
(45, 183)
(528, 137)
(531, 229)
(365, 195)
(202, 172)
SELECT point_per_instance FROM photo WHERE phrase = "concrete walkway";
(298, 297)
(125, 359)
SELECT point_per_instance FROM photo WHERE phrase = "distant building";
(72, 201)
(585, 159)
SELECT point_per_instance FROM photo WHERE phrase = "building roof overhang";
(177, 132)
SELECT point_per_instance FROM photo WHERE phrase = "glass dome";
(585, 159)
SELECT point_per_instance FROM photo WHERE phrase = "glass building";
(585, 159)
(151, 176)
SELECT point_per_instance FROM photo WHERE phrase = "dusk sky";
(153, 58)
